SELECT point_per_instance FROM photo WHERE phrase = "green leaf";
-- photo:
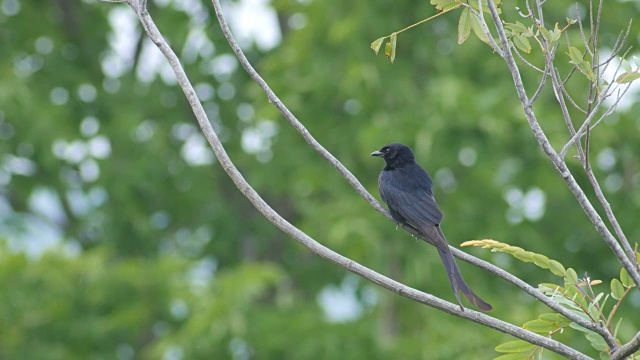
(514, 346)
(394, 42)
(521, 27)
(377, 44)
(550, 287)
(593, 311)
(556, 319)
(477, 29)
(597, 342)
(555, 34)
(485, 6)
(511, 26)
(540, 326)
(585, 69)
(575, 55)
(387, 49)
(518, 27)
(557, 268)
(572, 277)
(443, 5)
(625, 278)
(579, 327)
(464, 26)
(628, 77)
(617, 290)
(544, 32)
(522, 43)
(513, 356)
(604, 356)
(571, 21)
(615, 331)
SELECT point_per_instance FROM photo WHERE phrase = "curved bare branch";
(557, 161)
(255, 199)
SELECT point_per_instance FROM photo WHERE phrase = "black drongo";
(407, 189)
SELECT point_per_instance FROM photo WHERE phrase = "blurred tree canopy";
(122, 238)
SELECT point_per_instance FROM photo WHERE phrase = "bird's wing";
(409, 195)
(417, 206)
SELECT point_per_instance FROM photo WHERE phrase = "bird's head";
(395, 155)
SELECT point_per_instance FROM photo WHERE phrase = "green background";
(122, 237)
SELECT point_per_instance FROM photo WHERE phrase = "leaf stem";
(428, 19)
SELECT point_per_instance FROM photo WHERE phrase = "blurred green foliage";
(124, 239)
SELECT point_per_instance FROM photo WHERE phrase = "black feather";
(407, 189)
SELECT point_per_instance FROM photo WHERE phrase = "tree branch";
(559, 90)
(558, 162)
(255, 199)
(353, 181)
(627, 349)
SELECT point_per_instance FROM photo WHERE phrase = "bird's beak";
(377, 153)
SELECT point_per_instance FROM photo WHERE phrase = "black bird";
(406, 188)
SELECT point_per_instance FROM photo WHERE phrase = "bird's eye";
(386, 150)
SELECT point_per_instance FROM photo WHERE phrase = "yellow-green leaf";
(477, 29)
(387, 49)
(464, 26)
(597, 342)
(394, 42)
(544, 32)
(526, 256)
(521, 43)
(557, 268)
(443, 5)
(377, 44)
(579, 328)
(513, 356)
(551, 287)
(617, 290)
(541, 261)
(575, 55)
(555, 34)
(512, 249)
(585, 69)
(628, 77)
(556, 319)
(540, 326)
(514, 346)
(572, 277)
(625, 278)
(593, 311)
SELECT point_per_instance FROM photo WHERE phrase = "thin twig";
(539, 5)
(563, 107)
(543, 81)
(485, 28)
(558, 162)
(273, 98)
(593, 113)
(527, 62)
(584, 38)
(575, 105)
(286, 227)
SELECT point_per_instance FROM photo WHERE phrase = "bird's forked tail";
(458, 284)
